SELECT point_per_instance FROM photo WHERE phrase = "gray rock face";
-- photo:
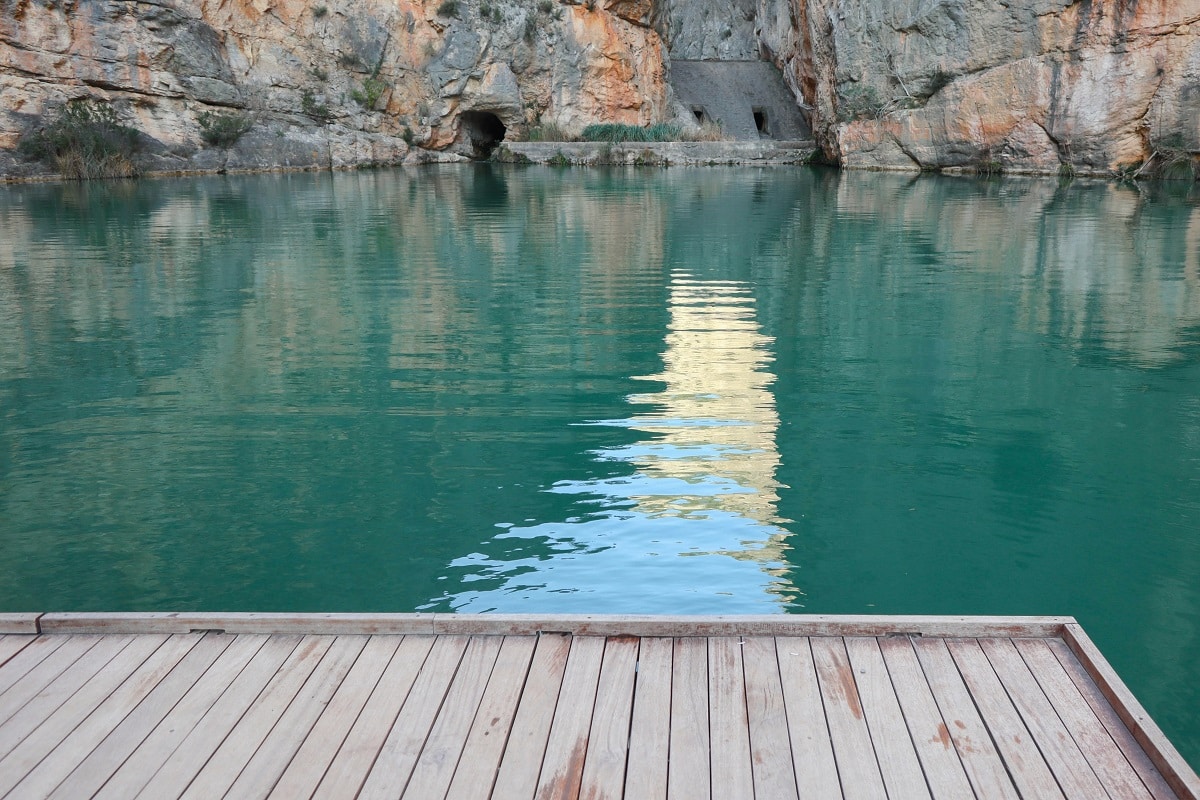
(747, 99)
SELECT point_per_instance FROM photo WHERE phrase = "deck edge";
(19, 622)
(1179, 775)
(576, 624)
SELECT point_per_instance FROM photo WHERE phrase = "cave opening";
(760, 122)
(483, 130)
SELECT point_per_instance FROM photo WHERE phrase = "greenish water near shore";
(613, 391)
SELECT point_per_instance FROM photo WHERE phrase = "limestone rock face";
(336, 83)
(1100, 85)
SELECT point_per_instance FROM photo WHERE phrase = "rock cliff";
(1086, 86)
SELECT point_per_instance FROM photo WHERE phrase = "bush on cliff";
(223, 130)
(84, 140)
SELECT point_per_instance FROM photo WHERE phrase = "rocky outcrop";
(1082, 86)
(1097, 86)
(331, 84)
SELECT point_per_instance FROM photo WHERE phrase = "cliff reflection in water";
(704, 485)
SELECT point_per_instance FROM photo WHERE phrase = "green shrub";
(319, 11)
(545, 6)
(448, 8)
(223, 130)
(369, 93)
(615, 133)
(408, 136)
(310, 106)
(84, 140)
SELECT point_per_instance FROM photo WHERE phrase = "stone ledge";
(658, 154)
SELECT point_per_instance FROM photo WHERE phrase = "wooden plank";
(1175, 770)
(402, 748)
(435, 766)
(304, 774)
(357, 754)
(33, 681)
(19, 665)
(275, 752)
(1098, 703)
(19, 622)
(485, 741)
(688, 775)
(562, 766)
(1016, 745)
(808, 731)
(11, 645)
(650, 728)
(728, 726)
(980, 758)
(1075, 776)
(770, 749)
(29, 750)
(1098, 748)
(947, 779)
(522, 760)
(50, 754)
(227, 622)
(576, 624)
(60, 690)
(223, 768)
(894, 748)
(129, 727)
(608, 740)
(852, 748)
(170, 757)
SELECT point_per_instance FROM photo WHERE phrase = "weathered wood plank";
(435, 767)
(354, 759)
(562, 767)
(227, 763)
(403, 745)
(176, 755)
(980, 758)
(688, 776)
(129, 727)
(227, 622)
(521, 763)
(812, 750)
(728, 726)
(577, 624)
(33, 681)
(770, 749)
(852, 748)
(275, 752)
(947, 779)
(52, 696)
(650, 728)
(1075, 776)
(894, 749)
(488, 735)
(1178, 774)
(1028, 769)
(608, 741)
(11, 645)
(1098, 703)
(307, 768)
(29, 746)
(19, 665)
(19, 622)
(1097, 747)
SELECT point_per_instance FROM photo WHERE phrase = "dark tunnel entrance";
(483, 130)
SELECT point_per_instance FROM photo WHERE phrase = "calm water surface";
(684, 391)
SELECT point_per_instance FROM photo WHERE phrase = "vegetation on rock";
(223, 130)
(84, 140)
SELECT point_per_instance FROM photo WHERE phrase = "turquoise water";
(642, 391)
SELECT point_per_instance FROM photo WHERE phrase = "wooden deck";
(449, 706)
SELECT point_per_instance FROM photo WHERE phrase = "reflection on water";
(709, 459)
(611, 391)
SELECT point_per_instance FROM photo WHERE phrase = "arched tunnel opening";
(483, 131)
